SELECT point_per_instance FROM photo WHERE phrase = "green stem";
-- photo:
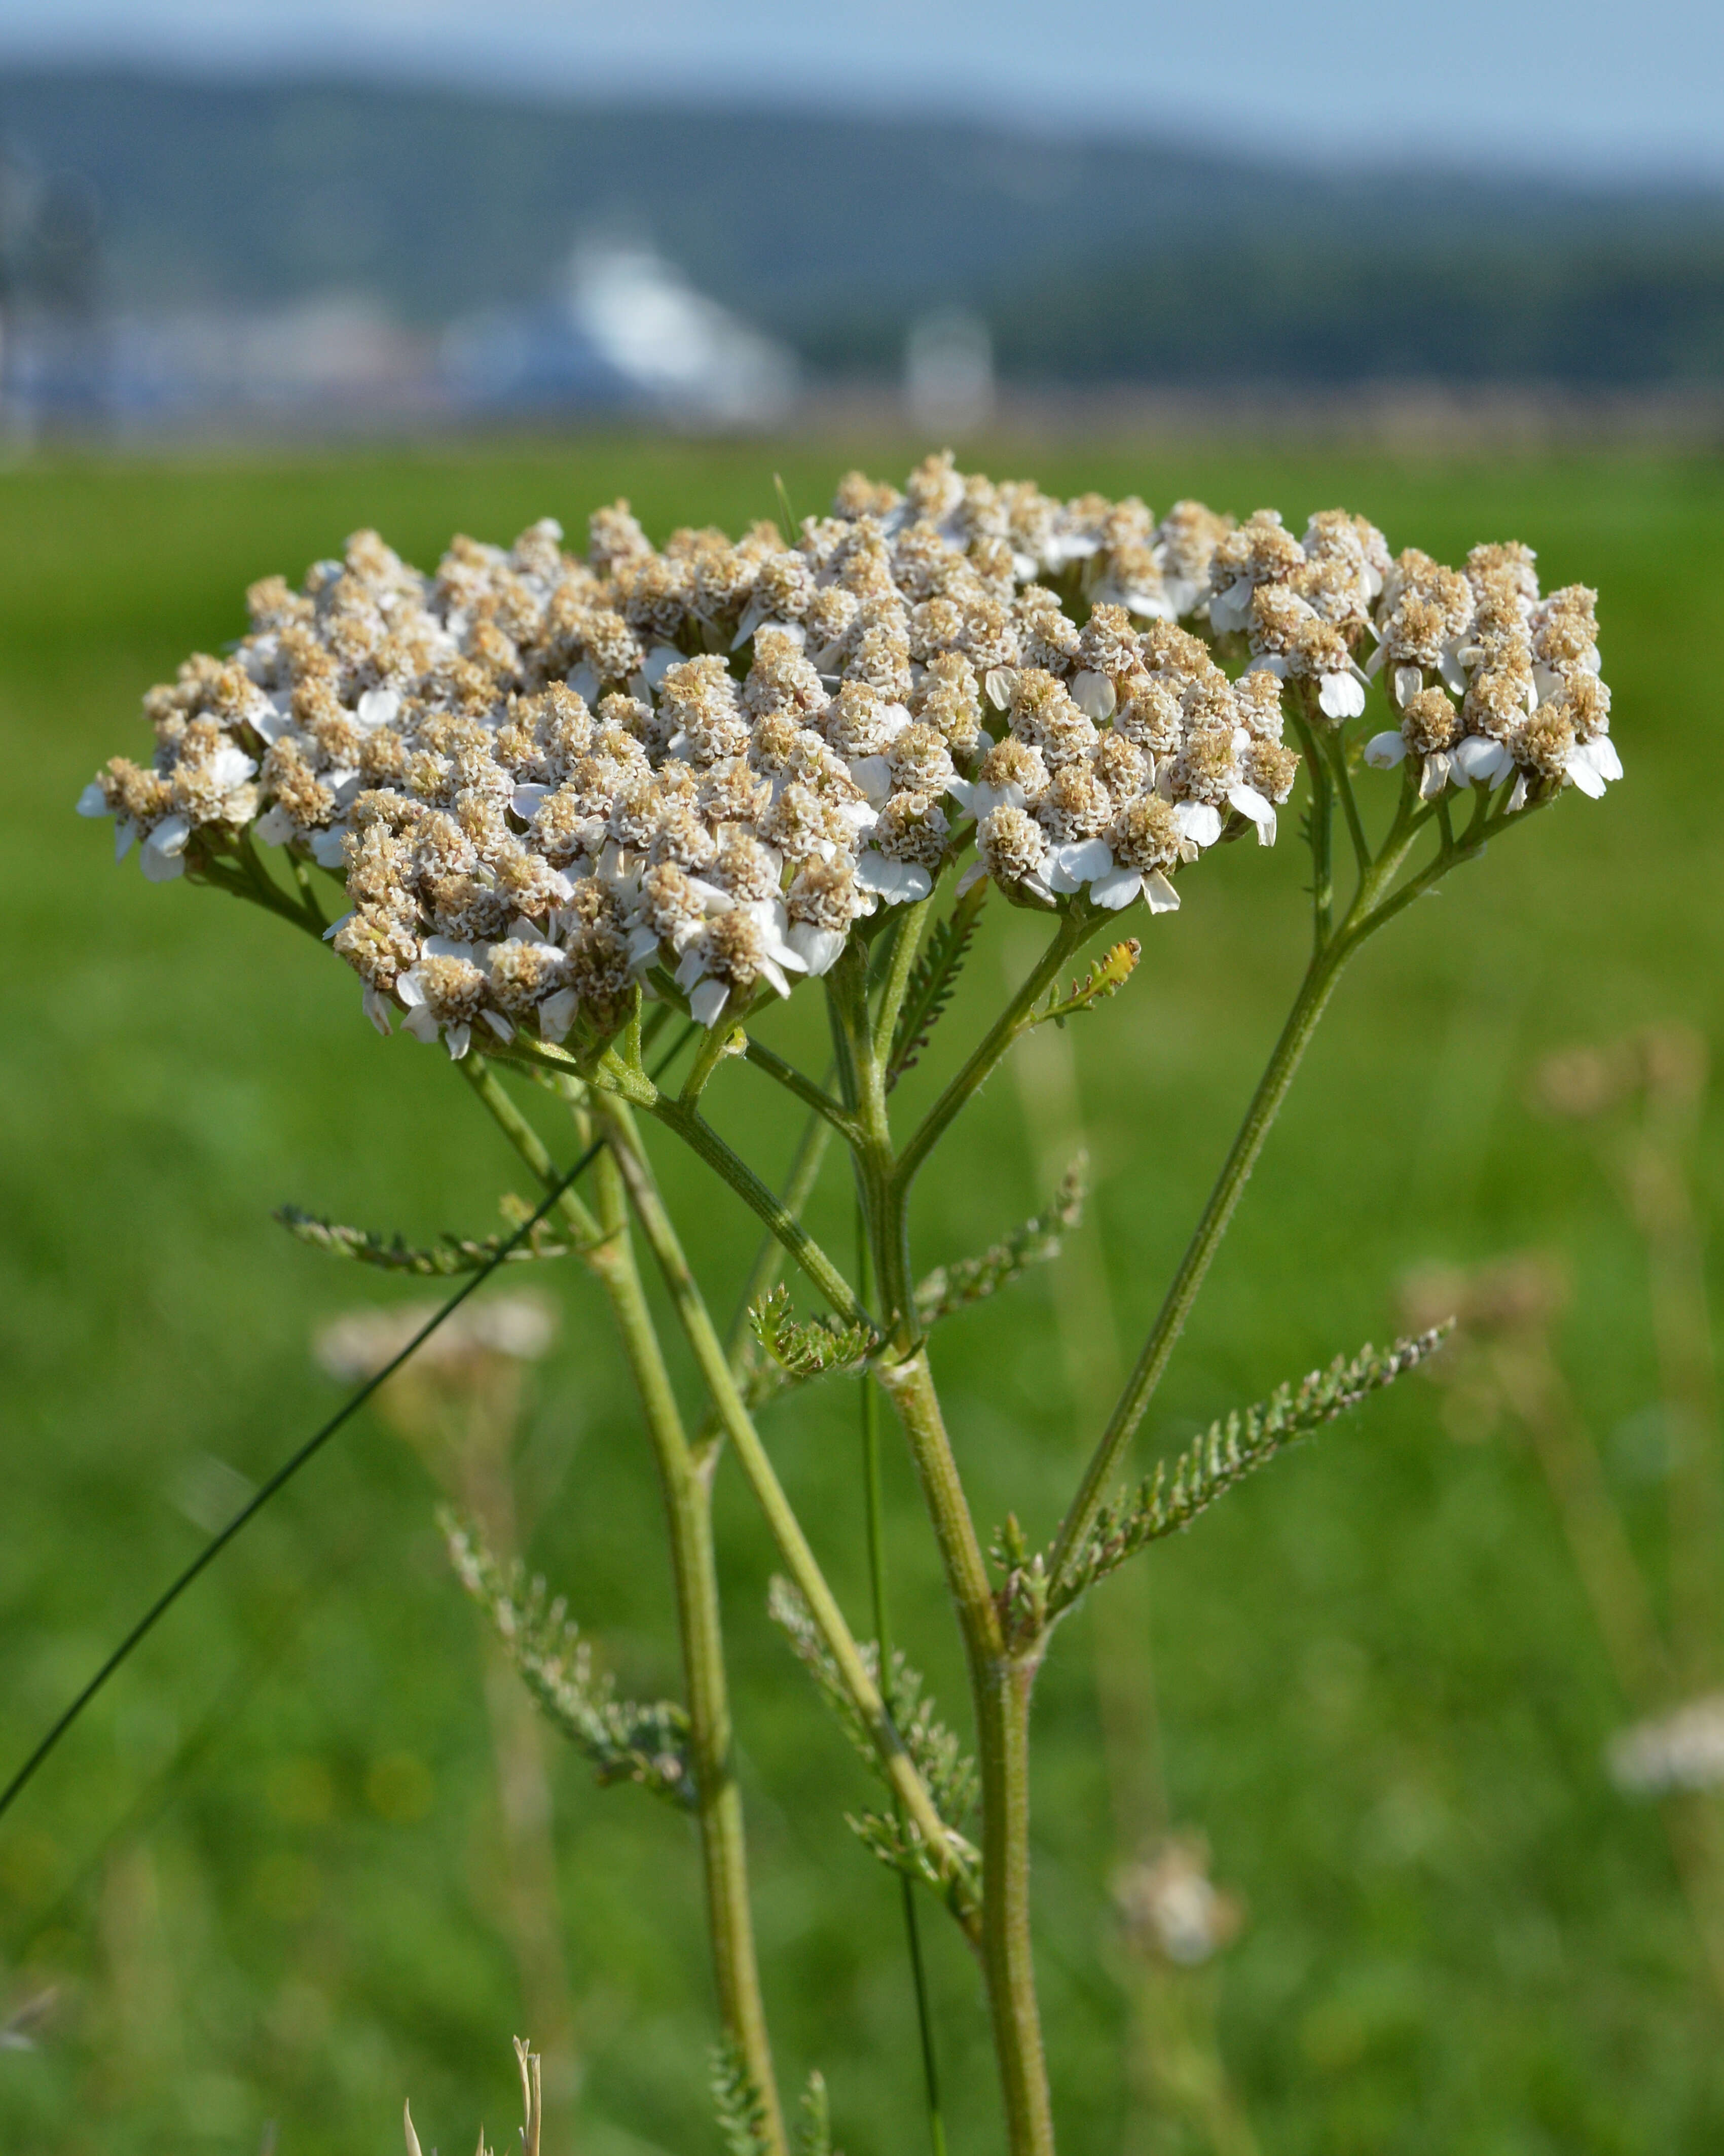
(697, 1133)
(1075, 927)
(874, 1510)
(1336, 747)
(1278, 1075)
(688, 1510)
(794, 1546)
(1000, 1686)
(806, 1091)
(1321, 833)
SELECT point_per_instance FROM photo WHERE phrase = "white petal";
(409, 991)
(1373, 664)
(1601, 753)
(1438, 769)
(642, 943)
(336, 927)
(1160, 894)
(818, 948)
(526, 801)
(1383, 751)
(691, 969)
(1341, 696)
(1198, 822)
(963, 791)
(376, 1007)
(1449, 667)
(1118, 888)
(420, 1024)
(1582, 773)
(1078, 862)
(706, 1002)
(377, 707)
(971, 877)
(93, 802)
(896, 881)
(556, 1014)
(275, 827)
(458, 1039)
(874, 775)
(1269, 662)
(658, 662)
(1409, 681)
(1249, 802)
(1094, 694)
(125, 831)
(773, 974)
(326, 847)
(998, 684)
(1479, 758)
(498, 1024)
(583, 681)
(1517, 799)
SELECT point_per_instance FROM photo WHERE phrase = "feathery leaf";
(1233, 1447)
(953, 1288)
(935, 1751)
(809, 1348)
(814, 2133)
(625, 1740)
(932, 979)
(449, 1255)
(1105, 978)
(737, 2103)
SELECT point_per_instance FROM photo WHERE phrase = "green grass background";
(1380, 1696)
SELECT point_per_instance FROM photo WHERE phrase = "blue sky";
(1579, 87)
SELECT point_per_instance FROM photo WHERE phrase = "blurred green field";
(1380, 1694)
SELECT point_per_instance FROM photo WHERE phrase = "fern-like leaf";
(449, 1255)
(1105, 978)
(813, 2133)
(737, 2102)
(624, 1740)
(954, 1287)
(810, 1348)
(932, 979)
(1233, 1447)
(935, 1751)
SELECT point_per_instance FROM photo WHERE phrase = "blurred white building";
(625, 330)
(949, 373)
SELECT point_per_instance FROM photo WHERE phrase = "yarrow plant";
(593, 813)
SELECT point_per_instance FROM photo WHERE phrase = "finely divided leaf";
(1231, 1448)
(740, 2108)
(953, 1288)
(810, 1348)
(935, 1751)
(625, 1740)
(1105, 978)
(449, 1254)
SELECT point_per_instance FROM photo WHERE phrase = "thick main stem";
(688, 1511)
(1000, 1687)
(787, 1531)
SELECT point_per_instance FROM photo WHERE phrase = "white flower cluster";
(544, 779)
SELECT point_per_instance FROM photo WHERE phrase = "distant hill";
(1095, 259)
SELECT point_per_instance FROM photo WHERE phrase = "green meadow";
(262, 1873)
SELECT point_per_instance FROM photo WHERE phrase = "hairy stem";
(1074, 929)
(688, 1512)
(787, 1531)
(1000, 1686)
